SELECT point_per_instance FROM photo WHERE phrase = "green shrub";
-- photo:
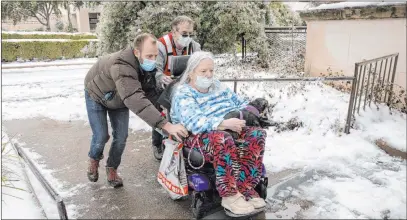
(59, 25)
(238, 47)
(29, 50)
(47, 36)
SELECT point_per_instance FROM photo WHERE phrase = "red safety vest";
(170, 48)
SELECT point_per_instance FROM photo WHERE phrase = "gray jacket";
(162, 57)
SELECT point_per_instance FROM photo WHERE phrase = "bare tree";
(22, 10)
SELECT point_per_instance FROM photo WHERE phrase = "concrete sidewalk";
(64, 147)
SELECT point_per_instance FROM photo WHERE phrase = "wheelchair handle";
(172, 137)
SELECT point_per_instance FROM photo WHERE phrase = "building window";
(93, 20)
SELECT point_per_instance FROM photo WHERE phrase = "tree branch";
(26, 13)
(49, 10)
(35, 14)
(39, 20)
(38, 11)
(46, 8)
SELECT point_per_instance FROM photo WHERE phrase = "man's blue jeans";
(119, 119)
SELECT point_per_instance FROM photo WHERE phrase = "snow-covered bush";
(90, 50)
(218, 24)
(231, 19)
(117, 25)
(281, 15)
(156, 17)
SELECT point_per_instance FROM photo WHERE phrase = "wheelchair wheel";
(200, 205)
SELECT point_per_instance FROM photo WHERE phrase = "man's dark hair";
(139, 40)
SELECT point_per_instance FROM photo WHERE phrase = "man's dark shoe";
(93, 173)
(158, 151)
(113, 178)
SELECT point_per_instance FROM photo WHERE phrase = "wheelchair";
(201, 175)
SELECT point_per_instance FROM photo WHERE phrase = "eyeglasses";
(186, 34)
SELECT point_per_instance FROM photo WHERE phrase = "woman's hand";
(233, 124)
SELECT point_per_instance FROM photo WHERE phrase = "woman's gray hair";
(193, 62)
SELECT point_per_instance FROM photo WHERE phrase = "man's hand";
(175, 130)
(165, 80)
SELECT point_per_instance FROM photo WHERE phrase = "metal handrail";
(377, 59)
(358, 85)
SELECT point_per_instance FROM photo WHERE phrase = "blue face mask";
(203, 82)
(148, 65)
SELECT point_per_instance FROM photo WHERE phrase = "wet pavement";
(64, 145)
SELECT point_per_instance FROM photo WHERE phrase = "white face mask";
(203, 82)
(184, 41)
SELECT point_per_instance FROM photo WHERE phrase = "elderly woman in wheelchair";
(200, 103)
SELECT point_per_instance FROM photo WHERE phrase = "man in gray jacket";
(178, 42)
(116, 83)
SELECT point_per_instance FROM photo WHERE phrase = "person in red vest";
(178, 42)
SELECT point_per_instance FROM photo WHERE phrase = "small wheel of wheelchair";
(200, 205)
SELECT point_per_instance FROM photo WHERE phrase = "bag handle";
(196, 142)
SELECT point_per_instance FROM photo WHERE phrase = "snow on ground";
(379, 124)
(54, 92)
(354, 176)
(362, 176)
(56, 62)
(33, 201)
(17, 203)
